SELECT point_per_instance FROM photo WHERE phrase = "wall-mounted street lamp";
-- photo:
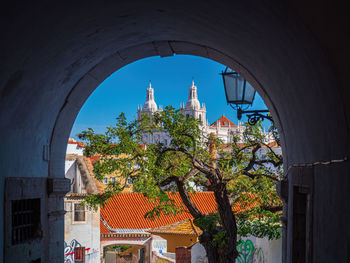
(239, 94)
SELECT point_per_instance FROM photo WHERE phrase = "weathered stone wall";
(295, 53)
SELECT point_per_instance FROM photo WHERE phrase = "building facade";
(223, 128)
(81, 224)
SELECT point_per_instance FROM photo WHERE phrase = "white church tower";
(150, 106)
(192, 107)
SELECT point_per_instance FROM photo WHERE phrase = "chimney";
(212, 149)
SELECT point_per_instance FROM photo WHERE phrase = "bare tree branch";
(272, 209)
(253, 176)
(253, 159)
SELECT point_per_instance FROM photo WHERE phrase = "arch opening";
(42, 87)
(85, 87)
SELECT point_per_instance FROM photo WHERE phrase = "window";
(187, 116)
(79, 213)
(128, 181)
(200, 117)
(105, 180)
(299, 225)
(165, 142)
(79, 255)
(25, 220)
(113, 179)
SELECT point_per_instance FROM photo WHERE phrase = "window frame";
(73, 213)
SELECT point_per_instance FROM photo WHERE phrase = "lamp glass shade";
(237, 90)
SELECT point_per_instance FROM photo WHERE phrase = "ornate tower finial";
(192, 102)
(150, 105)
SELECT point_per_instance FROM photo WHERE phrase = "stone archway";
(55, 56)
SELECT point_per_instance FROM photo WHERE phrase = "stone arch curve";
(54, 55)
(89, 82)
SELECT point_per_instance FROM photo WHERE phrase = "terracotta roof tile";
(103, 228)
(224, 122)
(185, 227)
(72, 141)
(127, 210)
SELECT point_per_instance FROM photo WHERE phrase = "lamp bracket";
(254, 115)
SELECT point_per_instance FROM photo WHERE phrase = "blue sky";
(170, 77)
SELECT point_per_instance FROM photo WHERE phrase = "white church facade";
(223, 128)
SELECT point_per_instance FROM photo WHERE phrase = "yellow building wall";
(174, 241)
(118, 178)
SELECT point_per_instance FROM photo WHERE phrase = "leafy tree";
(243, 176)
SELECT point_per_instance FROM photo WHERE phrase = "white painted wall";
(198, 254)
(262, 251)
(159, 244)
(73, 148)
(85, 234)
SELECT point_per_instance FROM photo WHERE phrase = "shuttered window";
(79, 255)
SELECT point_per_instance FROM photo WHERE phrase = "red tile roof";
(185, 227)
(224, 122)
(72, 141)
(103, 228)
(127, 210)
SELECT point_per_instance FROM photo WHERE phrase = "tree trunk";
(212, 252)
(229, 253)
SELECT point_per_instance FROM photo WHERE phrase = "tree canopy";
(241, 174)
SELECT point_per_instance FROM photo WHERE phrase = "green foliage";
(119, 248)
(266, 225)
(249, 169)
(220, 239)
(208, 222)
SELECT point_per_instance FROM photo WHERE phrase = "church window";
(187, 116)
(165, 142)
(113, 179)
(200, 117)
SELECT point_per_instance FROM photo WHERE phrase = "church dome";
(150, 106)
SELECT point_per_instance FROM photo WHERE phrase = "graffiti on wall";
(69, 250)
(248, 253)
